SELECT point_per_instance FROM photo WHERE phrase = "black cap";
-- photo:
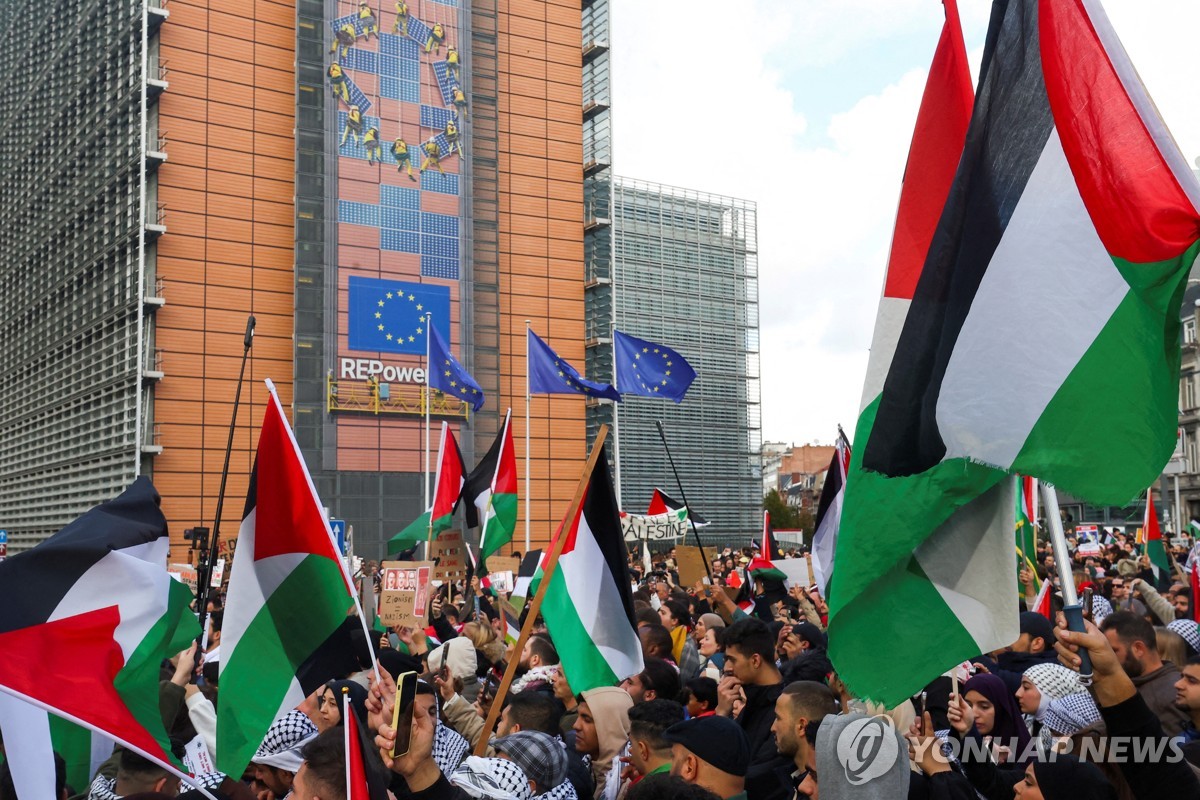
(719, 741)
(1036, 625)
(811, 634)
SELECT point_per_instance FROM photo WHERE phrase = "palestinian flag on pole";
(491, 493)
(447, 488)
(30, 737)
(661, 503)
(362, 781)
(829, 513)
(763, 566)
(87, 617)
(1154, 543)
(927, 552)
(588, 607)
(1027, 523)
(288, 593)
(1069, 178)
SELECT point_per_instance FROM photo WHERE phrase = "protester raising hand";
(924, 748)
(417, 766)
(961, 715)
(381, 698)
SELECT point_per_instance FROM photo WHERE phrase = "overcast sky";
(807, 108)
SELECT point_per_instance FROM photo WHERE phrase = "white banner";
(654, 528)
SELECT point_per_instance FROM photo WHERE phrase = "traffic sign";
(339, 532)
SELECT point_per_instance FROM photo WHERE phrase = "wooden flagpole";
(535, 606)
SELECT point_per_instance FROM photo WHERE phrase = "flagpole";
(346, 733)
(428, 397)
(203, 577)
(695, 532)
(535, 606)
(1072, 610)
(616, 426)
(441, 455)
(527, 324)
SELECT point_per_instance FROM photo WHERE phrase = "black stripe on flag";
(1009, 129)
(480, 479)
(604, 519)
(33, 583)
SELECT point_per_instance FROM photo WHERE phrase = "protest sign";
(502, 582)
(691, 563)
(405, 593)
(451, 557)
(667, 527)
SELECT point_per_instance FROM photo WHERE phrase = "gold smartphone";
(402, 713)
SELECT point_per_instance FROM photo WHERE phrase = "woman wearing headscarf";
(329, 703)
(1041, 684)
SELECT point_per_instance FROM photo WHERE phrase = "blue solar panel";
(439, 246)
(433, 267)
(401, 241)
(410, 91)
(399, 197)
(389, 44)
(361, 60)
(357, 98)
(433, 181)
(439, 224)
(443, 79)
(358, 213)
(389, 88)
(400, 219)
(446, 2)
(410, 69)
(417, 31)
(389, 66)
(436, 118)
(337, 24)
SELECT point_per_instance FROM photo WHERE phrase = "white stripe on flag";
(27, 746)
(1049, 243)
(889, 321)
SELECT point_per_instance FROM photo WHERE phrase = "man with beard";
(537, 666)
(1133, 640)
(800, 703)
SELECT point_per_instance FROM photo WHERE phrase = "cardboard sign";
(184, 573)
(405, 593)
(691, 563)
(502, 582)
(218, 574)
(1088, 549)
(667, 527)
(451, 557)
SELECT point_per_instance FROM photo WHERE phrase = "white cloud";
(698, 102)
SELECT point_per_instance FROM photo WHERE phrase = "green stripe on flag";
(1138, 411)
(137, 681)
(306, 609)
(501, 525)
(586, 667)
(74, 743)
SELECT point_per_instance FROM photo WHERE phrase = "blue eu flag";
(389, 316)
(448, 376)
(549, 374)
(649, 369)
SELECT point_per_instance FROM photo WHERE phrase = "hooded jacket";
(885, 777)
(609, 706)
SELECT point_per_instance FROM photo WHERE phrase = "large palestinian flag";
(921, 553)
(1155, 548)
(1060, 260)
(87, 617)
(588, 607)
(288, 593)
(491, 493)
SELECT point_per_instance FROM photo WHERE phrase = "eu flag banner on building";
(389, 316)
(448, 376)
(549, 374)
(649, 369)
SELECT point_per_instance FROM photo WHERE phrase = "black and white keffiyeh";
(1068, 715)
(103, 788)
(1101, 608)
(492, 778)
(280, 748)
(449, 747)
(564, 791)
(1054, 681)
(1190, 632)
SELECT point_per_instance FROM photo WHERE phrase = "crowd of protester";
(735, 700)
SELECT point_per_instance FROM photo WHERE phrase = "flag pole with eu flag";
(550, 374)
(448, 376)
(649, 369)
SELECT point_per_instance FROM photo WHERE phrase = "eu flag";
(649, 369)
(448, 376)
(389, 316)
(549, 374)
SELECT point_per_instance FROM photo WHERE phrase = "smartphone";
(402, 715)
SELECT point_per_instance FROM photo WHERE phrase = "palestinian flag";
(762, 567)
(829, 513)
(1027, 523)
(588, 607)
(87, 617)
(288, 593)
(661, 503)
(31, 735)
(924, 553)
(1159, 561)
(1069, 178)
(491, 493)
(1194, 580)
(363, 781)
(447, 487)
